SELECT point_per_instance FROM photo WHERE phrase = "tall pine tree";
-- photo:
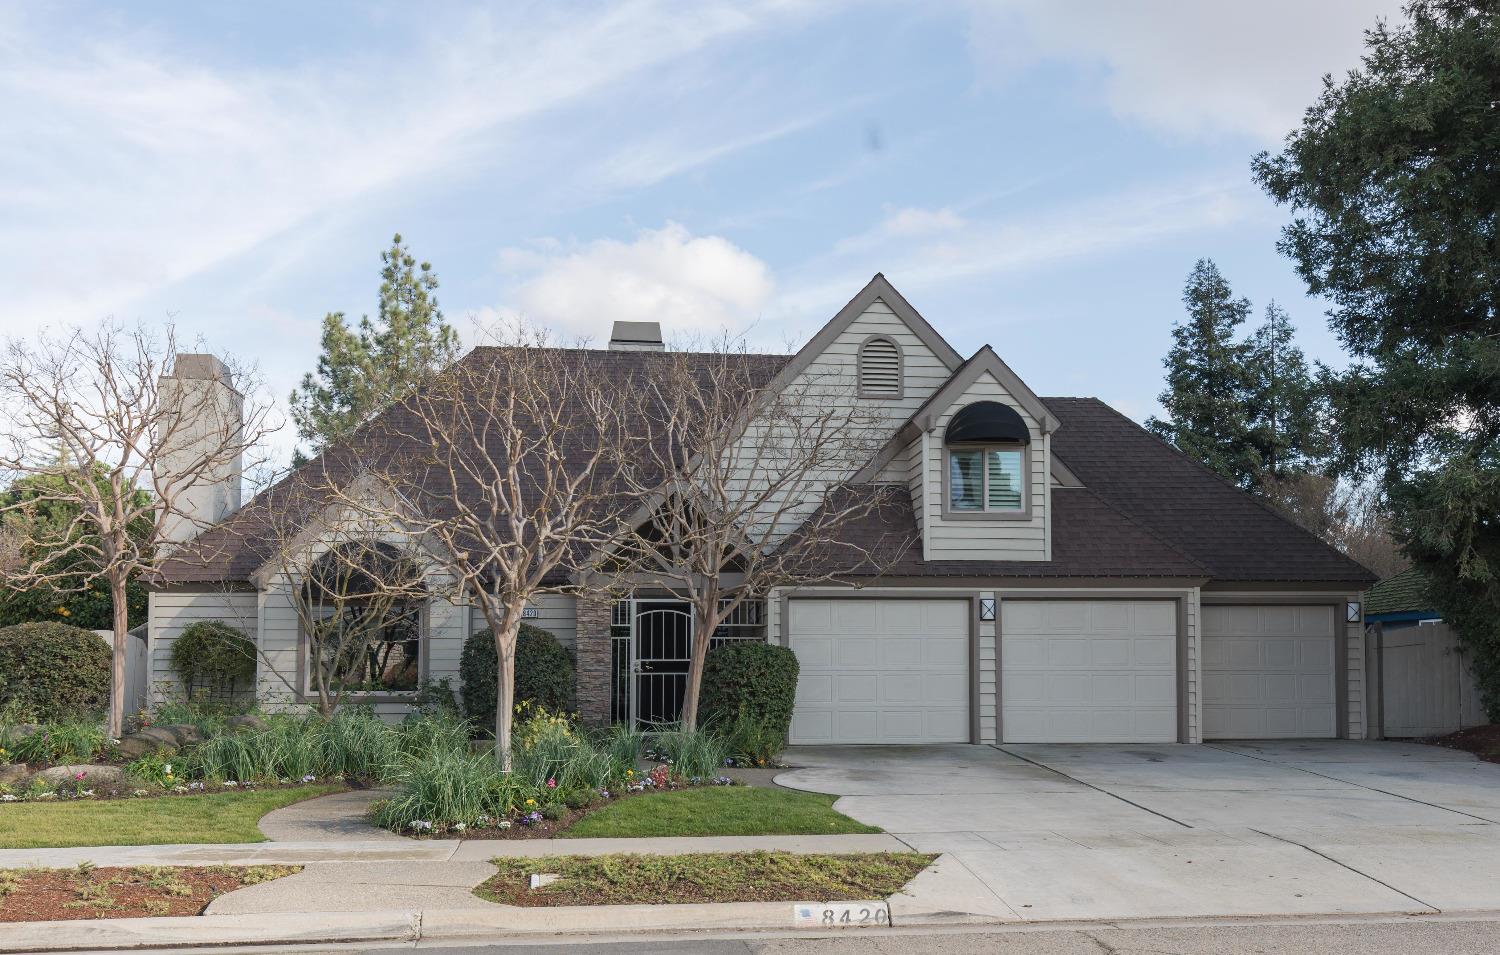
(1208, 380)
(1285, 427)
(362, 371)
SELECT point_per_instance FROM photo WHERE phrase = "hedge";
(544, 673)
(215, 657)
(750, 681)
(53, 673)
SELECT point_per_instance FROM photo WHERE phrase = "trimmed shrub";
(213, 660)
(53, 673)
(748, 692)
(544, 674)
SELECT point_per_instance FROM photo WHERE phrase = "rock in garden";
(167, 740)
(22, 730)
(246, 723)
(184, 733)
(14, 775)
(137, 745)
(93, 775)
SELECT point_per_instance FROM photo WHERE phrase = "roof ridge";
(1216, 476)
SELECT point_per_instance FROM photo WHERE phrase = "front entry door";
(661, 651)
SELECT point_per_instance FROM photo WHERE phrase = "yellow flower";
(531, 802)
(65, 611)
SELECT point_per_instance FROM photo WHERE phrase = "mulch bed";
(84, 892)
(719, 877)
(1482, 741)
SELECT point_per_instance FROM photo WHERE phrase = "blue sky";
(1035, 175)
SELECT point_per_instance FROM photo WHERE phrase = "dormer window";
(985, 472)
(880, 368)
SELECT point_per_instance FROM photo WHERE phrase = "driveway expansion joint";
(1432, 909)
(1089, 785)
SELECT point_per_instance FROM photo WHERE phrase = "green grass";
(214, 817)
(717, 811)
(728, 877)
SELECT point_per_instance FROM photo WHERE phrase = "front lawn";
(716, 811)
(213, 817)
(729, 877)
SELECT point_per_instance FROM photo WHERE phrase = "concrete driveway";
(1152, 831)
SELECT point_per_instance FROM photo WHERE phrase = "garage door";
(1088, 671)
(1268, 672)
(881, 671)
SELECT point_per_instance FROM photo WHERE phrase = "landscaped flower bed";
(726, 877)
(86, 892)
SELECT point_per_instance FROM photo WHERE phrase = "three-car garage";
(1069, 669)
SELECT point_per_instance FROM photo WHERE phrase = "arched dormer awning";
(987, 422)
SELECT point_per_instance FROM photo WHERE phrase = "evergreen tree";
(1208, 381)
(1394, 182)
(1285, 428)
(362, 371)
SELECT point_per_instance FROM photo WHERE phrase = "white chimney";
(199, 455)
(636, 336)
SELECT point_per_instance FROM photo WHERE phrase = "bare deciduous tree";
(506, 473)
(356, 582)
(98, 414)
(742, 481)
(1347, 513)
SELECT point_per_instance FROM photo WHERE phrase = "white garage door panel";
(881, 671)
(1088, 671)
(1268, 672)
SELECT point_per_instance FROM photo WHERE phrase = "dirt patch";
(1482, 741)
(718, 877)
(84, 892)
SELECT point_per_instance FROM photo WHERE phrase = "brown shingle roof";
(1234, 535)
(1146, 509)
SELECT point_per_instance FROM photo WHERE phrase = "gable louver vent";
(880, 369)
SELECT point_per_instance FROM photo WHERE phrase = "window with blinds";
(880, 369)
(986, 479)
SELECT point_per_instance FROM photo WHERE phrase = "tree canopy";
(1393, 179)
(362, 370)
(43, 530)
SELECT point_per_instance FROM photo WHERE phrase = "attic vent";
(879, 369)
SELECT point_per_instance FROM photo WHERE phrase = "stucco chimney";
(636, 336)
(199, 457)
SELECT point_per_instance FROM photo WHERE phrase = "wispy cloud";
(132, 164)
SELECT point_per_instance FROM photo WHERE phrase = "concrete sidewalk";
(432, 850)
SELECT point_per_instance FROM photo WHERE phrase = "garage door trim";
(1340, 638)
(1178, 597)
(784, 629)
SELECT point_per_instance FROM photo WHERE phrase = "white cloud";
(691, 284)
(1191, 68)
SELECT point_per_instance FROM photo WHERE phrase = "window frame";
(859, 370)
(1023, 513)
(308, 694)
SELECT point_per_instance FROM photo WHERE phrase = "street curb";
(209, 930)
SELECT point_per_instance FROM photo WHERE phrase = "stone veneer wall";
(595, 676)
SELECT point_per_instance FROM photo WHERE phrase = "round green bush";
(53, 673)
(749, 682)
(214, 659)
(544, 673)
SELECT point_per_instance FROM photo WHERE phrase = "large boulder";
(143, 743)
(165, 738)
(14, 775)
(93, 775)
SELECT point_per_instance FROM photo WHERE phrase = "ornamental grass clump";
(447, 789)
(693, 754)
(58, 743)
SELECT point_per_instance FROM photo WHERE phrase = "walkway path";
(339, 817)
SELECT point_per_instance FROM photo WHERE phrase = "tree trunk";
(505, 710)
(702, 636)
(121, 621)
